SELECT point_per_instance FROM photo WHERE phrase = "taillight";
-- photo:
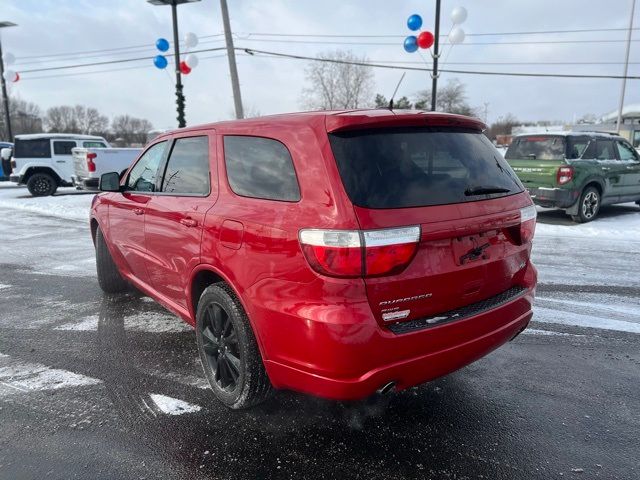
(564, 175)
(527, 223)
(355, 253)
(90, 165)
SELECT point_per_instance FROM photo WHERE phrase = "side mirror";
(5, 153)
(109, 182)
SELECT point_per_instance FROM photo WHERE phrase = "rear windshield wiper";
(485, 190)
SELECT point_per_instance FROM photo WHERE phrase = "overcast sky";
(50, 27)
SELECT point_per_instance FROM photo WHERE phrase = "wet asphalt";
(564, 404)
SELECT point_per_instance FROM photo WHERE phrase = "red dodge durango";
(335, 253)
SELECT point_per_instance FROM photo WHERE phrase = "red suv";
(332, 253)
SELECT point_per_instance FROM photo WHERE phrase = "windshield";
(545, 147)
(415, 167)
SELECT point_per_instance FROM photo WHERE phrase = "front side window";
(188, 167)
(260, 167)
(63, 148)
(36, 148)
(144, 174)
(626, 151)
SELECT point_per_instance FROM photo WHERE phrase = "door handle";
(61, 161)
(606, 169)
(189, 222)
(138, 211)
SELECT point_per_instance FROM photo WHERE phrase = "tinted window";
(625, 151)
(143, 175)
(63, 148)
(577, 146)
(93, 145)
(605, 150)
(188, 167)
(260, 168)
(39, 148)
(413, 167)
(545, 147)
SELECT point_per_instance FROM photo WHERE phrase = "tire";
(228, 350)
(109, 277)
(42, 185)
(589, 205)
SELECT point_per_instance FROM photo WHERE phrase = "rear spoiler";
(358, 120)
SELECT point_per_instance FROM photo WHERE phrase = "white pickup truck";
(90, 163)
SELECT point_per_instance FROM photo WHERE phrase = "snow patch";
(534, 331)
(67, 203)
(155, 323)
(89, 323)
(549, 315)
(4, 286)
(173, 406)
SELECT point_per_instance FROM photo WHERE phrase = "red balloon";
(17, 77)
(184, 68)
(425, 40)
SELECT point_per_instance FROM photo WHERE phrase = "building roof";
(631, 110)
(569, 134)
(75, 136)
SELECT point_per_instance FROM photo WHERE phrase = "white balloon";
(192, 60)
(458, 15)
(8, 58)
(190, 40)
(456, 36)
(10, 76)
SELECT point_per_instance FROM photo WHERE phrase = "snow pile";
(67, 203)
(173, 406)
(621, 225)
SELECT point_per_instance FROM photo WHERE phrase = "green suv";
(576, 171)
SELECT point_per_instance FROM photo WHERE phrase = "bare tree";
(452, 98)
(132, 130)
(335, 85)
(502, 126)
(61, 119)
(25, 117)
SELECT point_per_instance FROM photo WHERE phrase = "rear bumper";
(553, 197)
(85, 183)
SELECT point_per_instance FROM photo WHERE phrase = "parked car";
(5, 165)
(577, 171)
(90, 163)
(43, 161)
(332, 253)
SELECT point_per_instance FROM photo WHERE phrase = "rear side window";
(38, 148)
(143, 175)
(63, 148)
(93, 145)
(546, 147)
(260, 168)
(605, 150)
(188, 167)
(416, 167)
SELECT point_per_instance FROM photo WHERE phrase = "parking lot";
(111, 387)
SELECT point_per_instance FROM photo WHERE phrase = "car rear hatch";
(537, 158)
(450, 187)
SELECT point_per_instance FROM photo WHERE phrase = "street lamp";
(5, 97)
(176, 49)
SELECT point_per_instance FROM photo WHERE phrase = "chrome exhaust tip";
(386, 388)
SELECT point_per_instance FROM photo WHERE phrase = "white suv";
(44, 161)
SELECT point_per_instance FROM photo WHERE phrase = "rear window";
(416, 167)
(546, 147)
(93, 144)
(37, 148)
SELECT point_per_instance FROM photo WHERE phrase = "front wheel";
(42, 185)
(589, 205)
(228, 349)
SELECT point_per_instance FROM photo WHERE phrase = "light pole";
(434, 73)
(5, 97)
(176, 48)
(231, 54)
(626, 66)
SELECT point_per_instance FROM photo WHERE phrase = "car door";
(127, 211)
(175, 215)
(62, 158)
(613, 170)
(631, 160)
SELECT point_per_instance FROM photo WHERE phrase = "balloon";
(410, 44)
(11, 76)
(414, 22)
(162, 44)
(160, 61)
(192, 60)
(458, 15)
(184, 68)
(190, 40)
(8, 58)
(456, 36)
(425, 40)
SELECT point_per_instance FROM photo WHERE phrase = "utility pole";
(231, 55)
(434, 73)
(5, 96)
(626, 67)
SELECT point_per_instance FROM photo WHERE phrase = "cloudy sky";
(55, 33)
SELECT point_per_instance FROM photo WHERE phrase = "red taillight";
(564, 175)
(527, 223)
(90, 165)
(341, 253)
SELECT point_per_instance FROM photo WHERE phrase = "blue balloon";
(162, 44)
(411, 44)
(414, 22)
(160, 61)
